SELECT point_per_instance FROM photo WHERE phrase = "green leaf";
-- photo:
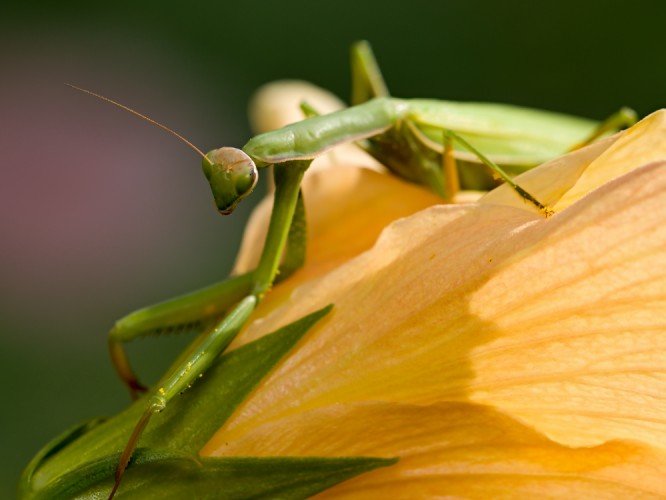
(182, 428)
(164, 474)
(192, 419)
(51, 448)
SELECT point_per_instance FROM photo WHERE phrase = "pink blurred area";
(98, 208)
(100, 213)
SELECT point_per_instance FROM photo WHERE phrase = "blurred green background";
(101, 213)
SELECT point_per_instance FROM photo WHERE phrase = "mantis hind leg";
(496, 170)
(367, 79)
(624, 117)
(449, 171)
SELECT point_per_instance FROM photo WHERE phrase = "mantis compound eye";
(232, 176)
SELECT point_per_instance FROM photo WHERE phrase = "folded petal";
(549, 182)
(454, 450)
(639, 145)
(564, 180)
(559, 322)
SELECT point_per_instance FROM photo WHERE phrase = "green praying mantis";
(429, 142)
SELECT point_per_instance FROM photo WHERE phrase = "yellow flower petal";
(277, 104)
(549, 182)
(557, 321)
(641, 144)
(455, 449)
(581, 351)
(562, 181)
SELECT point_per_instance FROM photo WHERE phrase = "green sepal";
(51, 448)
(179, 432)
(166, 474)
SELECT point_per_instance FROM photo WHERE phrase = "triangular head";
(232, 176)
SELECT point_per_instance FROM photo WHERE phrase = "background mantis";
(413, 138)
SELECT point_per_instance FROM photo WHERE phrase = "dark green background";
(101, 213)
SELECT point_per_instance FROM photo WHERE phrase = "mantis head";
(232, 176)
(231, 173)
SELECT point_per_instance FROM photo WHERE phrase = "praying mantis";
(424, 141)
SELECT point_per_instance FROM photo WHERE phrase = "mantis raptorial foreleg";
(294, 255)
(194, 311)
(287, 207)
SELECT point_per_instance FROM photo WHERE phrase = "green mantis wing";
(509, 135)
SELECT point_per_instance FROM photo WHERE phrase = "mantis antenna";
(144, 117)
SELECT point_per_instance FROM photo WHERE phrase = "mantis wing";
(509, 135)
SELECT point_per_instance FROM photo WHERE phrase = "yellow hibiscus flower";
(497, 353)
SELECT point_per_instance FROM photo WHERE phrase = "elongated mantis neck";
(288, 176)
